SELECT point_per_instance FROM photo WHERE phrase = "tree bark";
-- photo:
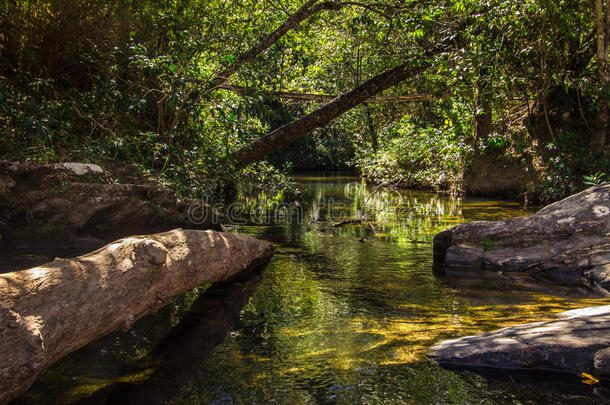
(49, 311)
(326, 113)
(602, 22)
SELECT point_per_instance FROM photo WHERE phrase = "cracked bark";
(54, 309)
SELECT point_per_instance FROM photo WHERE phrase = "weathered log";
(49, 311)
(568, 241)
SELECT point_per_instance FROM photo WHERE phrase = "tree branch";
(308, 9)
(328, 97)
(329, 111)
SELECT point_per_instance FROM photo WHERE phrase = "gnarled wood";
(49, 311)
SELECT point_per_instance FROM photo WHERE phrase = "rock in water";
(568, 241)
(579, 342)
(51, 310)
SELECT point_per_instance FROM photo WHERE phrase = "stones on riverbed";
(578, 343)
(568, 242)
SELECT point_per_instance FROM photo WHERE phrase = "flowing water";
(342, 314)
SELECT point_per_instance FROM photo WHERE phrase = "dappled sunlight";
(347, 313)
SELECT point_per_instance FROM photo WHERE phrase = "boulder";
(74, 208)
(579, 342)
(568, 241)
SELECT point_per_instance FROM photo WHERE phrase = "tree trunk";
(602, 20)
(49, 311)
(307, 10)
(371, 127)
(326, 113)
(404, 98)
(483, 118)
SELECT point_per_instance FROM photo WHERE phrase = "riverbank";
(69, 209)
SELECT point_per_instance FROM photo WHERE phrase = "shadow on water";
(178, 357)
(568, 386)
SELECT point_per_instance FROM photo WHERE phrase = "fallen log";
(51, 310)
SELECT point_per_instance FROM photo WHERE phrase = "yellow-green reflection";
(345, 314)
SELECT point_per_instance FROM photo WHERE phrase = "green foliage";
(487, 244)
(414, 152)
(594, 179)
(568, 163)
(123, 80)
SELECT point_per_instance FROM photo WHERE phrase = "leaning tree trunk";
(602, 22)
(329, 111)
(49, 311)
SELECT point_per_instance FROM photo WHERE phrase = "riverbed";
(344, 313)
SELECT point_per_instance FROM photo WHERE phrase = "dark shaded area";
(570, 386)
(183, 352)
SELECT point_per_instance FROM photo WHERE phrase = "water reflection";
(343, 314)
(205, 317)
(182, 353)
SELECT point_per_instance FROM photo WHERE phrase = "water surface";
(342, 314)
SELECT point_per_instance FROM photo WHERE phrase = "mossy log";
(51, 310)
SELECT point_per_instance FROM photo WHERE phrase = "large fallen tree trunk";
(49, 311)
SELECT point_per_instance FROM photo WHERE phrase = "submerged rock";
(579, 342)
(568, 241)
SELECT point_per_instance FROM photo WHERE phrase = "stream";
(344, 313)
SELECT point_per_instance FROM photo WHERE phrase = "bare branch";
(328, 97)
